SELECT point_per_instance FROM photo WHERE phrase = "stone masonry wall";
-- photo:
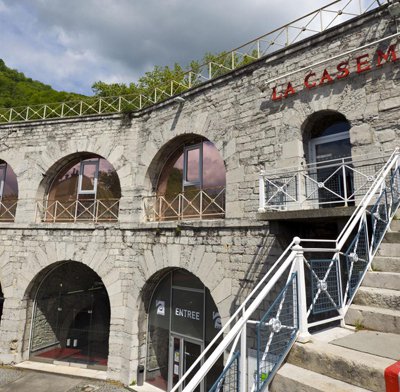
(251, 131)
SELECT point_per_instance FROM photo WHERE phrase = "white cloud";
(71, 44)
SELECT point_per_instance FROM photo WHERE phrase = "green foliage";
(18, 90)
(163, 82)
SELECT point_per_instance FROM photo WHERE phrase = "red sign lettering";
(362, 64)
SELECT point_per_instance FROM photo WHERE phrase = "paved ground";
(18, 380)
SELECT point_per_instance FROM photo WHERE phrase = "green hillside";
(18, 90)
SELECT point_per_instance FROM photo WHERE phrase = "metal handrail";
(92, 210)
(313, 23)
(333, 182)
(295, 260)
(7, 210)
(202, 204)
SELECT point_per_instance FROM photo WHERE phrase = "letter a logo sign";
(160, 307)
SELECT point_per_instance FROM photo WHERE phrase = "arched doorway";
(183, 320)
(71, 316)
(328, 151)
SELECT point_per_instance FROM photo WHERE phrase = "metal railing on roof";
(315, 22)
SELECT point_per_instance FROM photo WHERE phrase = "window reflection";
(8, 192)
(86, 189)
(192, 184)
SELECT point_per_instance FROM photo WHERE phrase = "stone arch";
(175, 302)
(316, 123)
(186, 165)
(68, 315)
(80, 186)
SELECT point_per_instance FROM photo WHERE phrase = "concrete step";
(377, 319)
(392, 237)
(378, 297)
(387, 264)
(395, 225)
(293, 378)
(384, 280)
(388, 249)
(350, 366)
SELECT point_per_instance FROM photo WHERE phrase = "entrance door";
(182, 354)
(330, 162)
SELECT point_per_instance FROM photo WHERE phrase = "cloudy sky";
(70, 44)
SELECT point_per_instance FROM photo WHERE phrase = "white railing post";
(261, 191)
(304, 336)
(243, 357)
(344, 183)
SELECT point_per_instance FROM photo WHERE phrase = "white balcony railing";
(339, 182)
(7, 210)
(199, 204)
(322, 277)
(86, 210)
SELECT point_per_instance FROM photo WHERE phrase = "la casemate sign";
(342, 70)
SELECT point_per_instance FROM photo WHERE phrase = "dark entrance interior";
(1, 302)
(183, 319)
(71, 317)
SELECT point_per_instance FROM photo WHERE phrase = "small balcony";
(83, 210)
(8, 208)
(193, 204)
(336, 183)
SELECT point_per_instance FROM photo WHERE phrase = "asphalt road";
(18, 380)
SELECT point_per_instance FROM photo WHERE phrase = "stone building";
(129, 238)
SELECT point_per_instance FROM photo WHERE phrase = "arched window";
(8, 192)
(71, 316)
(191, 184)
(329, 158)
(183, 319)
(86, 189)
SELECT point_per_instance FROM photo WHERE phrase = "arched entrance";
(183, 319)
(328, 149)
(71, 316)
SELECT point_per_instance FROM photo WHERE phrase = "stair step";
(377, 319)
(384, 280)
(350, 366)
(378, 297)
(387, 264)
(388, 249)
(395, 225)
(294, 378)
(392, 237)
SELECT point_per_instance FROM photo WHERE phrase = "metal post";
(243, 357)
(261, 192)
(201, 204)
(304, 336)
(344, 183)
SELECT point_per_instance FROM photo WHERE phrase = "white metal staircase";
(320, 280)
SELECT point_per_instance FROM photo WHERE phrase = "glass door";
(331, 169)
(183, 353)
